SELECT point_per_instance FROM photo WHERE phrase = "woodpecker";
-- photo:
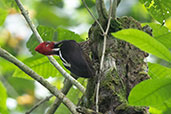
(71, 54)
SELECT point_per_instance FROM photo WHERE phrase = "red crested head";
(45, 48)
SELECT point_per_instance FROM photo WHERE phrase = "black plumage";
(73, 58)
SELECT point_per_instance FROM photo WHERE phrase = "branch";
(66, 75)
(101, 10)
(4, 54)
(53, 61)
(115, 4)
(38, 104)
(103, 54)
(27, 18)
(118, 2)
(56, 104)
(93, 16)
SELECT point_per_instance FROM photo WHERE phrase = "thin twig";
(103, 54)
(38, 104)
(57, 102)
(66, 75)
(93, 16)
(27, 18)
(101, 10)
(53, 61)
(4, 54)
(97, 95)
(115, 4)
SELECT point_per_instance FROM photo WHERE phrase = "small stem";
(38, 104)
(103, 54)
(97, 95)
(66, 75)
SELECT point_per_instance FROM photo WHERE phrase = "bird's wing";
(74, 55)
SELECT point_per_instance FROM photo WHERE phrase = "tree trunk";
(124, 67)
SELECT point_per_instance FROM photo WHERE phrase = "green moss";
(108, 79)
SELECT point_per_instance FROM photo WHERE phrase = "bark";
(124, 67)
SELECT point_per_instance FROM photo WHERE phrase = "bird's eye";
(47, 45)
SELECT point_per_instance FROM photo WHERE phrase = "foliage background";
(56, 20)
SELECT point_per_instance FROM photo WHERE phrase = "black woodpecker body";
(71, 54)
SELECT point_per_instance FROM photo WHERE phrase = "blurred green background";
(56, 18)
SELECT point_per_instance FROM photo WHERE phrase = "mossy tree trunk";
(124, 67)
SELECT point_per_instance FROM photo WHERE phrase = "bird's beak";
(56, 49)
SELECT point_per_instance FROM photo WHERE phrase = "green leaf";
(159, 9)
(64, 34)
(160, 109)
(41, 65)
(152, 92)
(2, 3)
(167, 111)
(161, 34)
(158, 71)
(3, 98)
(58, 3)
(21, 86)
(91, 3)
(51, 16)
(9, 4)
(3, 15)
(6, 66)
(62, 110)
(47, 34)
(153, 110)
(145, 42)
(167, 4)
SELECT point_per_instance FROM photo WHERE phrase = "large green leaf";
(47, 34)
(3, 98)
(3, 15)
(158, 71)
(153, 110)
(41, 65)
(160, 109)
(159, 9)
(145, 42)
(152, 92)
(21, 86)
(6, 66)
(161, 34)
(50, 34)
(167, 4)
(64, 34)
(58, 3)
(167, 111)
